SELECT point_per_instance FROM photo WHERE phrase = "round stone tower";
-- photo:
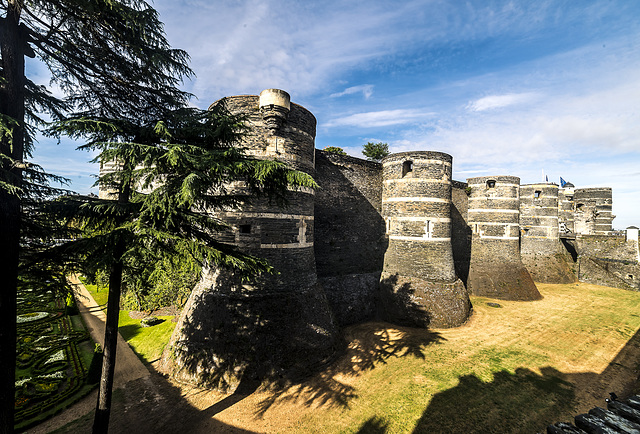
(593, 211)
(274, 325)
(419, 286)
(565, 209)
(542, 253)
(496, 269)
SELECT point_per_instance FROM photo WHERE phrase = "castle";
(398, 240)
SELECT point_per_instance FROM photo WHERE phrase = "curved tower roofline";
(298, 106)
(425, 154)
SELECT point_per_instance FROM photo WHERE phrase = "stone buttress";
(419, 286)
(496, 269)
(273, 326)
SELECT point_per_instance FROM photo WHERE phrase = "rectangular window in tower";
(245, 229)
(536, 194)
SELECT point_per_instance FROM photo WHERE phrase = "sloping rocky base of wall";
(227, 334)
(615, 273)
(556, 268)
(352, 297)
(415, 302)
(619, 417)
(501, 280)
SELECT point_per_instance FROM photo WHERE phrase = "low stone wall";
(616, 274)
(609, 261)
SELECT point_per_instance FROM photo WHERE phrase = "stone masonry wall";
(460, 230)
(541, 250)
(496, 269)
(350, 234)
(608, 260)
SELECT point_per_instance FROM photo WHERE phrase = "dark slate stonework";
(542, 253)
(276, 325)
(496, 269)
(230, 332)
(620, 416)
(609, 261)
(349, 238)
(419, 286)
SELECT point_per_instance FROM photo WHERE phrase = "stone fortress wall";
(398, 240)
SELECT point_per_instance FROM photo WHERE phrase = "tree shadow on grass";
(369, 344)
(511, 402)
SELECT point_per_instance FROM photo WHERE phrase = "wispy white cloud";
(381, 118)
(500, 101)
(365, 89)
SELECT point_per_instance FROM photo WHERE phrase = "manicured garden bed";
(53, 356)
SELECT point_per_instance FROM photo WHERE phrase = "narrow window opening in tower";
(537, 193)
(630, 276)
(428, 229)
(245, 229)
(475, 228)
(407, 168)
(580, 207)
(570, 198)
(491, 183)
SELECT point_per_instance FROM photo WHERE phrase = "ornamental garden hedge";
(54, 352)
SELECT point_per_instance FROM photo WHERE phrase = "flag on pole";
(546, 178)
(562, 182)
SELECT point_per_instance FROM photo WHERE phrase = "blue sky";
(506, 87)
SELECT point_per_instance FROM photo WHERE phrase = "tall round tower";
(540, 246)
(496, 269)
(418, 285)
(565, 209)
(593, 211)
(274, 325)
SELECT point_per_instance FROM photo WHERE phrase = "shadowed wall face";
(349, 234)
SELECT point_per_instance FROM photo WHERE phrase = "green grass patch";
(147, 342)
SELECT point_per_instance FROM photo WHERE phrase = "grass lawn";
(147, 342)
(511, 369)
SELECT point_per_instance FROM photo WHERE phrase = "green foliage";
(168, 283)
(375, 151)
(334, 150)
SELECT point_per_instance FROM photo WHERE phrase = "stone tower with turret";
(274, 325)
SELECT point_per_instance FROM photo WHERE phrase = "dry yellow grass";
(509, 369)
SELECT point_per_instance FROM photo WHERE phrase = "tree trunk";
(103, 406)
(12, 96)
